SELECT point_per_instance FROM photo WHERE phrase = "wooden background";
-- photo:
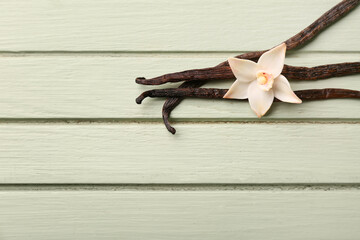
(80, 160)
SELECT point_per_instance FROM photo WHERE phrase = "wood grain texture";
(102, 86)
(163, 25)
(199, 153)
(69, 59)
(180, 215)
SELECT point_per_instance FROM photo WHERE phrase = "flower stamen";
(265, 80)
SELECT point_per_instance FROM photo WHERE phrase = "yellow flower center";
(262, 80)
(265, 80)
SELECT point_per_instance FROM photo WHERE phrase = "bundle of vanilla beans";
(194, 79)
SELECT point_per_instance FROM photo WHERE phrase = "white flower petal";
(283, 92)
(244, 70)
(260, 100)
(238, 90)
(273, 60)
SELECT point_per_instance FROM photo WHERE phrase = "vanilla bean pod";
(290, 72)
(218, 72)
(172, 103)
(217, 93)
(321, 72)
(297, 40)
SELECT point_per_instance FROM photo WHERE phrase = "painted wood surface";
(165, 25)
(103, 86)
(199, 153)
(80, 160)
(180, 215)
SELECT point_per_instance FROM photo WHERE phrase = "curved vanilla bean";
(297, 40)
(172, 103)
(321, 23)
(216, 93)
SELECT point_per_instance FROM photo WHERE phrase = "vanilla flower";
(262, 81)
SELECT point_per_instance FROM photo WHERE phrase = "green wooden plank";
(198, 153)
(93, 86)
(163, 25)
(180, 215)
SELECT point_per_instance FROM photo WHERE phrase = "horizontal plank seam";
(145, 53)
(183, 187)
(101, 121)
